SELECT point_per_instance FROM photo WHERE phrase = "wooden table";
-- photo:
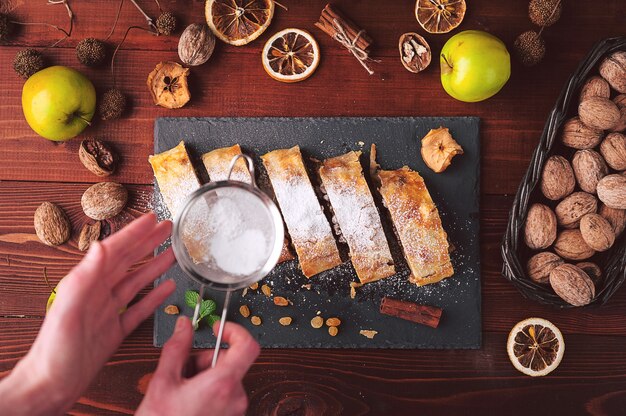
(592, 376)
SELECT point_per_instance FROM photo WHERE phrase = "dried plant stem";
(281, 6)
(117, 48)
(145, 15)
(556, 6)
(117, 18)
(70, 14)
(45, 277)
(159, 6)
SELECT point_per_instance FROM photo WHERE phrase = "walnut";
(104, 200)
(577, 135)
(574, 207)
(597, 232)
(613, 69)
(168, 85)
(599, 113)
(52, 226)
(88, 234)
(540, 228)
(541, 264)
(615, 217)
(572, 285)
(97, 157)
(620, 102)
(589, 167)
(414, 52)
(595, 87)
(593, 271)
(612, 191)
(571, 246)
(557, 179)
(196, 44)
(613, 148)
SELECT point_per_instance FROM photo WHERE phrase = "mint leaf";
(191, 298)
(207, 308)
(212, 319)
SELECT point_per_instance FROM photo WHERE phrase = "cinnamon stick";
(421, 314)
(326, 24)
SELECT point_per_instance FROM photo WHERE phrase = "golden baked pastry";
(357, 216)
(308, 227)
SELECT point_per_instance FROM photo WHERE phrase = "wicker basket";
(514, 251)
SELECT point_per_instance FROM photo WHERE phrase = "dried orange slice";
(439, 16)
(239, 22)
(535, 347)
(291, 55)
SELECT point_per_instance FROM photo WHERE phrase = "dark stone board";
(456, 193)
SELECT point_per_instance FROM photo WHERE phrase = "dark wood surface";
(590, 380)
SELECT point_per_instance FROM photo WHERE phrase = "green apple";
(475, 65)
(58, 102)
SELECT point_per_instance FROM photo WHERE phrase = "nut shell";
(612, 191)
(615, 217)
(589, 167)
(577, 135)
(593, 271)
(88, 234)
(613, 148)
(599, 113)
(415, 52)
(613, 69)
(540, 228)
(620, 102)
(97, 157)
(574, 207)
(571, 246)
(572, 285)
(557, 179)
(196, 44)
(597, 232)
(595, 87)
(52, 226)
(541, 264)
(104, 200)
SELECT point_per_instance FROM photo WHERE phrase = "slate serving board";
(456, 193)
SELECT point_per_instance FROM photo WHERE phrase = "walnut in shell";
(97, 157)
(541, 264)
(571, 246)
(104, 200)
(168, 85)
(557, 179)
(593, 271)
(615, 217)
(620, 102)
(595, 87)
(88, 234)
(613, 148)
(599, 113)
(589, 167)
(579, 136)
(572, 285)
(597, 232)
(613, 69)
(197, 43)
(540, 227)
(612, 191)
(52, 226)
(414, 52)
(570, 210)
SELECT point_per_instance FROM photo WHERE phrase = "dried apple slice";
(438, 149)
(168, 85)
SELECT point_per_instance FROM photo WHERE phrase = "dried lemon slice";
(239, 22)
(291, 55)
(439, 16)
(535, 346)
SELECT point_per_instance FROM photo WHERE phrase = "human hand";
(85, 325)
(184, 386)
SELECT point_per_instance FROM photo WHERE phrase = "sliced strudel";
(308, 227)
(357, 216)
(217, 162)
(418, 225)
(175, 175)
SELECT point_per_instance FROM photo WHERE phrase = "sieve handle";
(220, 331)
(249, 165)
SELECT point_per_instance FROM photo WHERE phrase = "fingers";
(242, 350)
(128, 288)
(118, 243)
(176, 351)
(138, 313)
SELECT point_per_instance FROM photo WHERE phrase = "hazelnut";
(589, 167)
(613, 69)
(613, 148)
(574, 207)
(570, 245)
(599, 113)
(541, 264)
(540, 228)
(595, 87)
(577, 135)
(557, 179)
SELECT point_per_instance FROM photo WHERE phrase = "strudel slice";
(357, 216)
(175, 175)
(418, 225)
(217, 162)
(308, 227)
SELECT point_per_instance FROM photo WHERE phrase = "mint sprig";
(207, 307)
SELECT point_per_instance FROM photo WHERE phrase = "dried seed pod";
(317, 322)
(540, 265)
(597, 232)
(530, 48)
(6, 27)
(415, 52)
(589, 167)
(572, 285)
(545, 12)
(91, 52)
(574, 207)
(166, 23)
(540, 228)
(613, 148)
(28, 62)
(557, 179)
(613, 69)
(112, 105)
(244, 310)
(599, 113)
(97, 157)
(579, 136)
(196, 44)
(571, 246)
